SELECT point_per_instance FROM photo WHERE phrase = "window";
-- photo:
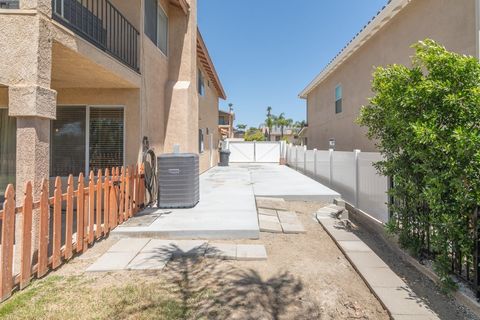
(338, 99)
(8, 135)
(71, 151)
(201, 83)
(156, 25)
(201, 141)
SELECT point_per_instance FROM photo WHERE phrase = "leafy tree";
(254, 134)
(241, 127)
(426, 122)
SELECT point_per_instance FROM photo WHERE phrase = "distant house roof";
(206, 61)
(369, 30)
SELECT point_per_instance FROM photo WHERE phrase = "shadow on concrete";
(214, 288)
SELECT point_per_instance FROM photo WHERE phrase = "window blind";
(106, 138)
(68, 138)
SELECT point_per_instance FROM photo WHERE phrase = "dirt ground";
(305, 277)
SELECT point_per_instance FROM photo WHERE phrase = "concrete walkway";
(227, 207)
(395, 295)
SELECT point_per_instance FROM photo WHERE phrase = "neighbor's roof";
(204, 57)
(369, 30)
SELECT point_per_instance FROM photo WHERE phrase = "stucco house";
(335, 96)
(225, 124)
(83, 83)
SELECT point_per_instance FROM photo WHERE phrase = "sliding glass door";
(8, 132)
(86, 138)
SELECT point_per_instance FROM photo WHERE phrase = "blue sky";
(267, 51)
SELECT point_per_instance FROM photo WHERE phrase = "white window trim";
(87, 129)
(165, 54)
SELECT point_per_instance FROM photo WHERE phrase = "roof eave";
(369, 30)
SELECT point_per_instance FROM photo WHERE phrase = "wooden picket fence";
(106, 201)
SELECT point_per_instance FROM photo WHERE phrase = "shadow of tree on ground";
(213, 288)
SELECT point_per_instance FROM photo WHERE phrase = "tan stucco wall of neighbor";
(451, 23)
(208, 118)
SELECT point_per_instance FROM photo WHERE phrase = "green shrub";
(254, 135)
(425, 120)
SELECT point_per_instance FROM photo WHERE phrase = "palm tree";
(283, 122)
(241, 127)
(269, 122)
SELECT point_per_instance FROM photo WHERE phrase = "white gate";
(261, 152)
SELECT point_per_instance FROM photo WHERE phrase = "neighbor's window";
(338, 99)
(156, 25)
(201, 83)
(104, 127)
(9, 4)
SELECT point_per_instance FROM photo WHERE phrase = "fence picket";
(57, 224)
(69, 219)
(91, 208)
(98, 223)
(26, 251)
(43, 236)
(127, 193)
(106, 204)
(8, 238)
(80, 212)
(121, 197)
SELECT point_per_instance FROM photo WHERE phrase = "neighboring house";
(225, 124)
(83, 82)
(335, 96)
(290, 134)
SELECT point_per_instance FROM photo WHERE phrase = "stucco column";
(181, 112)
(34, 107)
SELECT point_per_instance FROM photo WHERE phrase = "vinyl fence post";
(296, 158)
(305, 159)
(331, 167)
(356, 176)
(315, 163)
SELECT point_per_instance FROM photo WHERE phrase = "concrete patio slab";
(227, 207)
(271, 203)
(251, 252)
(112, 261)
(288, 217)
(149, 261)
(129, 245)
(221, 251)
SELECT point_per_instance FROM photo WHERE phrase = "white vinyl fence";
(349, 173)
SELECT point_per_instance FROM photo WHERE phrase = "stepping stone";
(341, 234)
(149, 261)
(267, 212)
(251, 252)
(271, 203)
(265, 218)
(366, 260)
(293, 228)
(335, 207)
(112, 261)
(288, 217)
(381, 277)
(272, 227)
(221, 251)
(129, 245)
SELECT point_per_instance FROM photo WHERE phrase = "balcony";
(103, 25)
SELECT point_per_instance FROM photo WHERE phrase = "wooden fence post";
(8, 238)
(69, 219)
(43, 235)
(26, 251)
(127, 193)
(80, 212)
(98, 212)
(121, 197)
(57, 224)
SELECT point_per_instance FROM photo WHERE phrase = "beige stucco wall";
(452, 23)
(208, 118)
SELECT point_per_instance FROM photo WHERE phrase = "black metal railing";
(99, 22)
(9, 4)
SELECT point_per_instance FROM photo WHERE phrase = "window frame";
(201, 90)
(338, 109)
(5, 107)
(167, 47)
(87, 131)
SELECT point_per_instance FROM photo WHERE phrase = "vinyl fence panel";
(343, 175)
